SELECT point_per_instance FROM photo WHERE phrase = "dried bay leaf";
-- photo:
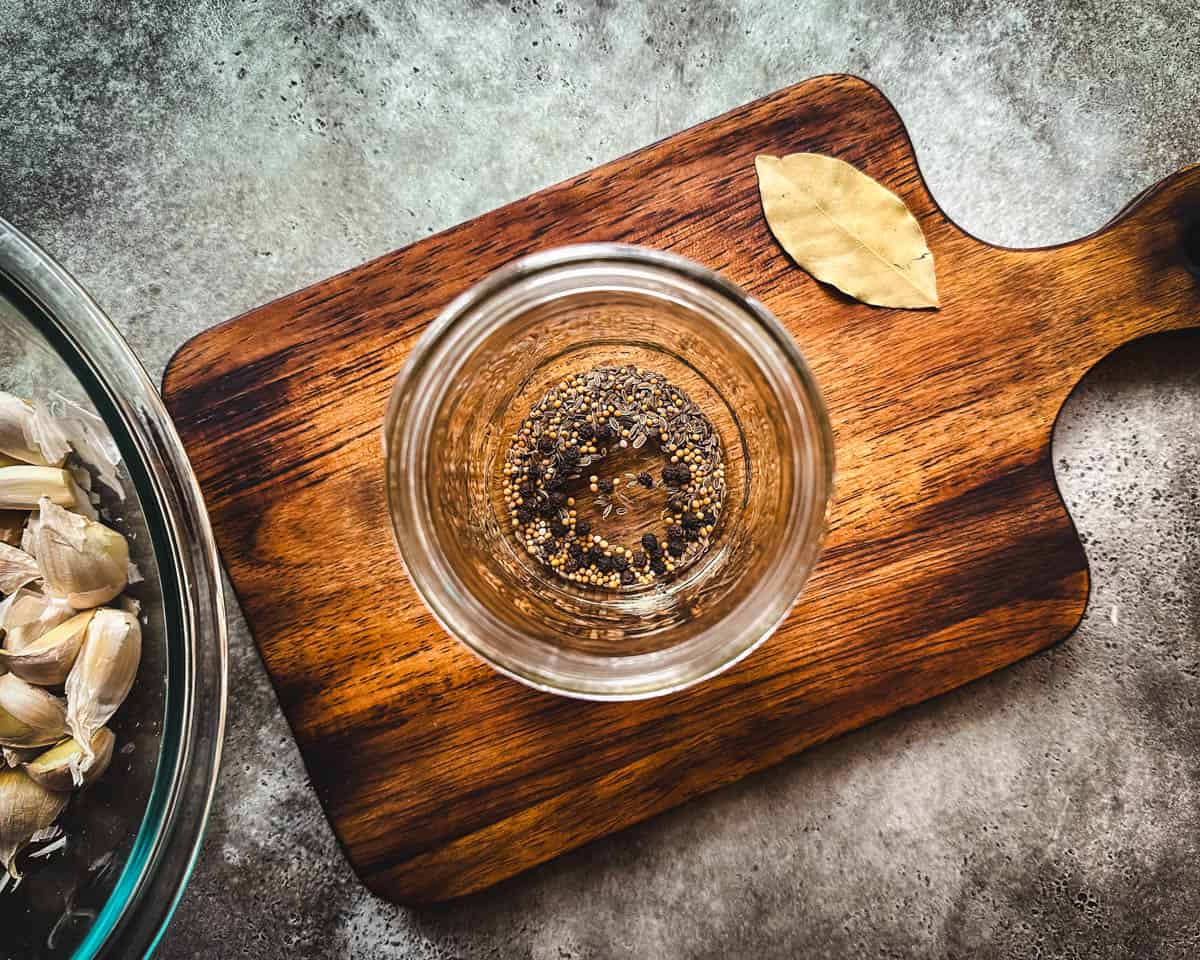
(847, 230)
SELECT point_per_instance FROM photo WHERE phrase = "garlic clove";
(87, 434)
(22, 487)
(31, 434)
(103, 673)
(65, 766)
(81, 561)
(26, 810)
(48, 434)
(47, 660)
(16, 425)
(29, 715)
(28, 614)
(17, 568)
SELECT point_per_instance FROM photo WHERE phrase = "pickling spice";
(554, 469)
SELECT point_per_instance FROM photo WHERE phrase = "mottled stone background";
(188, 160)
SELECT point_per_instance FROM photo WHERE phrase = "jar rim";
(421, 385)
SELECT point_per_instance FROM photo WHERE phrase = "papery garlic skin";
(88, 436)
(17, 756)
(27, 615)
(49, 434)
(16, 427)
(29, 715)
(17, 568)
(82, 561)
(103, 673)
(26, 809)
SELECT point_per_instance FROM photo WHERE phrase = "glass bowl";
(472, 379)
(133, 837)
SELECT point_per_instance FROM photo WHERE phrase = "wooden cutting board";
(950, 553)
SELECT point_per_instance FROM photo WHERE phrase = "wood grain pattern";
(950, 553)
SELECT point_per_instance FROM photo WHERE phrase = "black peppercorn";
(594, 411)
(677, 475)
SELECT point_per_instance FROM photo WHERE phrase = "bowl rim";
(431, 355)
(167, 845)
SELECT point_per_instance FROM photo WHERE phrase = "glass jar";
(471, 380)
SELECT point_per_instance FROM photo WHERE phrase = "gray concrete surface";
(191, 159)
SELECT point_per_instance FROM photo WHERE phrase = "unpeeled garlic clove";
(29, 716)
(28, 614)
(31, 434)
(47, 660)
(66, 766)
(86, 433)
(26, 809)
(81, 561)
(103, 673)
(17, 568)
(16, 427)
(22, 487)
